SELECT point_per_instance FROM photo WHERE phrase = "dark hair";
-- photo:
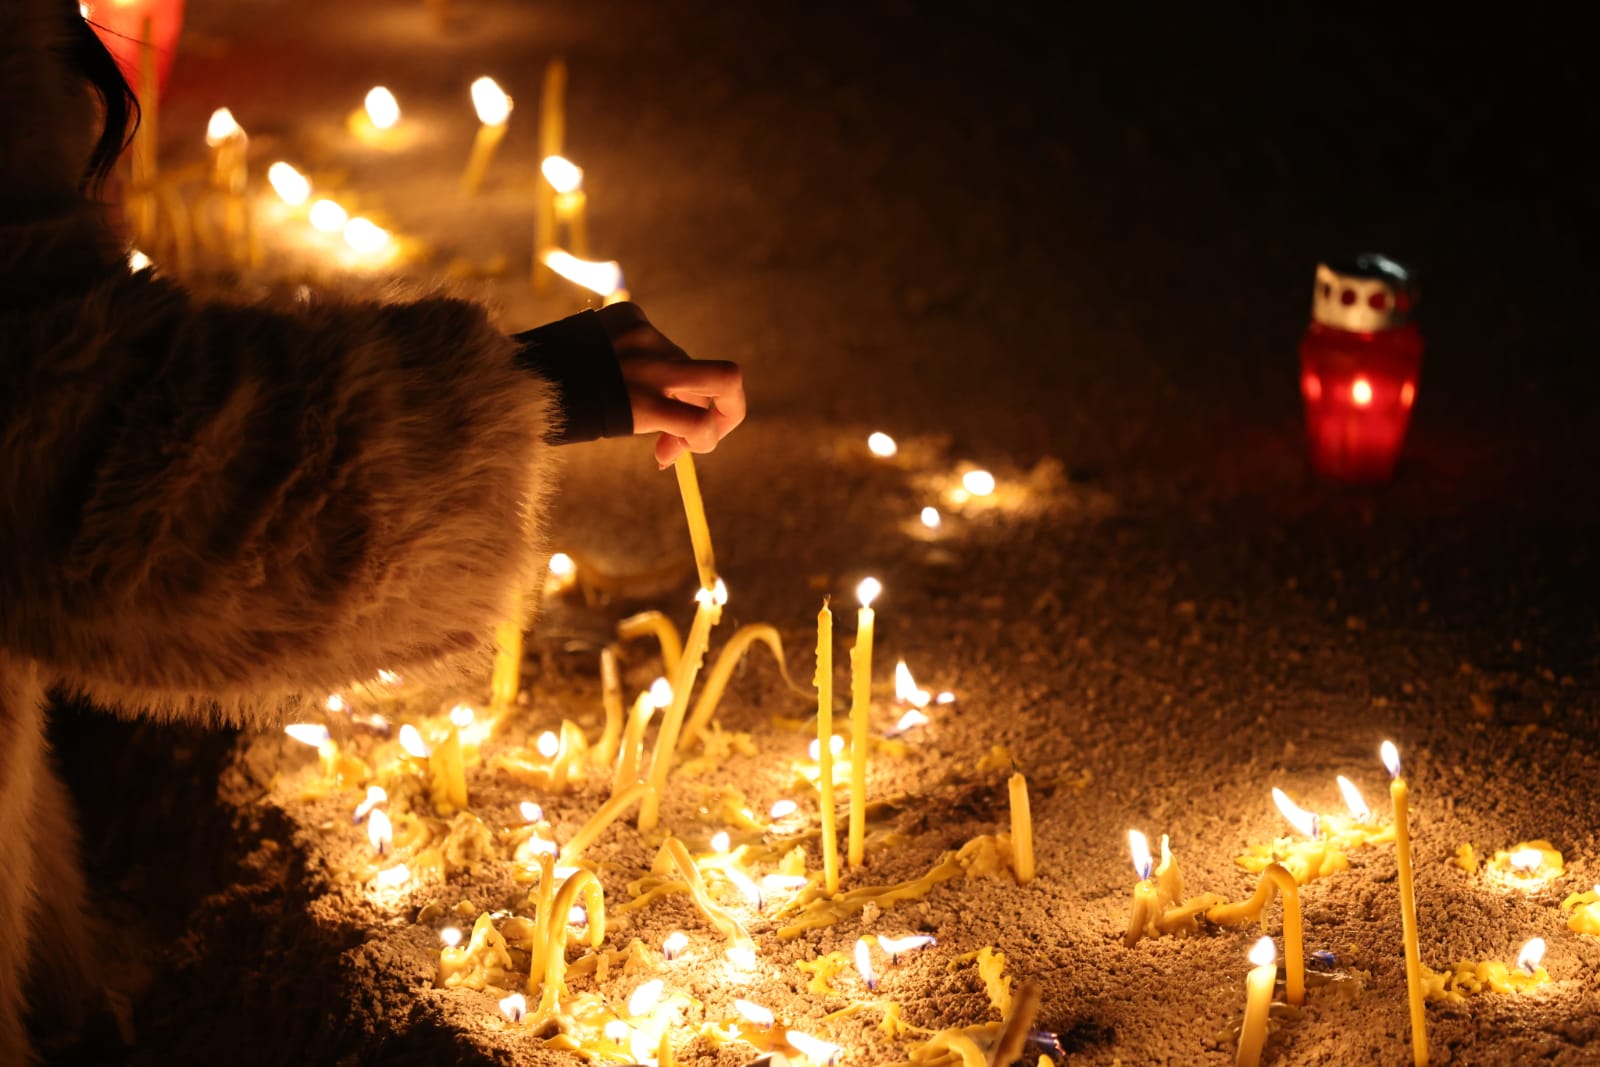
(88, 56)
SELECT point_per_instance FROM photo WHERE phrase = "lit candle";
(1021, 830)
(380, 832)
(229, 147)
(860, 711)
(823, 680)
(611, 699)
(694, 510)
(1276, 876)
(375, 122)
(1144, 893)
(570, 201)
(447, 776)
(1257, 1003)
(552, 133)
(869, 977)
(658, 696)
(365, 236)
(978, 482)
(328, 216)
(882, 445)
(1585, 908)
(674, 944)
(494, 109)
(1400, 794)
(292, 187)
(317, 736)
(707, 613)
(604, 278)
(507, 677)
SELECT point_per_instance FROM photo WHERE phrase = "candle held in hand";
(694, 510)
(860, 712)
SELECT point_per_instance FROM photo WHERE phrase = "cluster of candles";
(1286, 865)
(974, 482)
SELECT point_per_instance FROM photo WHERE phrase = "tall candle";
(860, 710)
(611, 700)
(571, 202)
(1257, 1003)
(658, 696)
(1021, 830)
(708, 611)
(1401, 795)
(507, 676)
(552, 132)
(695, 511)
(824, 684)
(447, 779)
(494, 111)
(1275, 876)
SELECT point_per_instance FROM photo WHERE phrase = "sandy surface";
(1079, 258)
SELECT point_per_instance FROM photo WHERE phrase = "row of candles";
(1159, 907)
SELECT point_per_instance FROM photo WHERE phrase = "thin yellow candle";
(494, 111)
(609, 813)
(659, 695)
(1400, 793)
(541, 919)
(1021, 830)
(571, 202)
(695, 511)
(1274, 877)
(552, 133)
(447, 779)
(824, 684)
(507, 677)
(657, 624)
(555, 957)
(1257, 1003)
(569, 755)
(860, 711)
(611, 700)
(1144, 892)
(722, 671)
(707, 612)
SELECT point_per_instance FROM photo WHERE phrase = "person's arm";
(214, 503)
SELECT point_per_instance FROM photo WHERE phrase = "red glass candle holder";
(121, 24)
(1360, 361)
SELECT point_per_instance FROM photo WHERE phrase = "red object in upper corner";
(120, 24)
(1360, 362)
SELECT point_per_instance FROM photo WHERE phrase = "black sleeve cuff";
(575, 355)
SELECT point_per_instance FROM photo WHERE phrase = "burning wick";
(978, 483)
(864, 965)
(721, 842)
(931, 518)
(782, 810)
(328, 216)
(364, 235)
(1527, 861)
(882, 445)
(411, 740)
(1303, 821)
(451, 936)
(376, 795)
(382, 108)
(380, 832)
(292, 187)
(754, 1012)
(514, 1007)
(334, 703)
(222, 127)
(462, 716)
(617, 1030)
(577, 916)
(1531, 956)
(549, 745)
(562, 565)
(897, 946)
(563, 175)
(646, 998)
(604, 278)
(530, 811)
(137, 261)
(1143, 864)
(394, 877)
(674, 945)
(751, 891)
(1354, 800)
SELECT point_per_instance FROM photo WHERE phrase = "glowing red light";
(1361, 392)
(1408, 394)
(1311, 387)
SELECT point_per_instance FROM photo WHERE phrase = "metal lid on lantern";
(1368, 293)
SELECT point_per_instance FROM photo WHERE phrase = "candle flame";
(411, 740)
(577, 915)
(868, 591)
(882, 445)
(674, 944)
(137, 261)
(1532, 955)
(945, 698)
(930, 517)
(380, 832)
(382, 108)
(463, 716)
(1140, 847)
(782, 809)
(717, 594)
(388, 677)
(1303, 821)
(543, 846)
(646, 998)
(616, 1030)
(864, 964)
(364, 235)
(1263, 952)
(909, 720)
(222, 127)
(781, 883)
(1361, 392)
(292, 187)
(721, 842)
(451, 936)
(307, 733)
(394, 877)
(813, 1048)
(754, 1012)
(376, 795)
(563, 175)
(896, 946)
(548, 744)
(742, 956)
(835, 746)
(514, 1007)
(562, 565)
(490, 102)
(1391, 758)
(661, 692)
(334, 703)
(1527, 860)
(905, 687)
(604, 278)
(751, 891)
(1354, 800)
(978, 483)
(328, 216)
(530, 811)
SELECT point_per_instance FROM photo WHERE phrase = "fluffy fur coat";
(207, 509)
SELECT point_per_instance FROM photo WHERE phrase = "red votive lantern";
(120, 24)
(1360, 361)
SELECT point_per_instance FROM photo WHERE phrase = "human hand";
(691, 403)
